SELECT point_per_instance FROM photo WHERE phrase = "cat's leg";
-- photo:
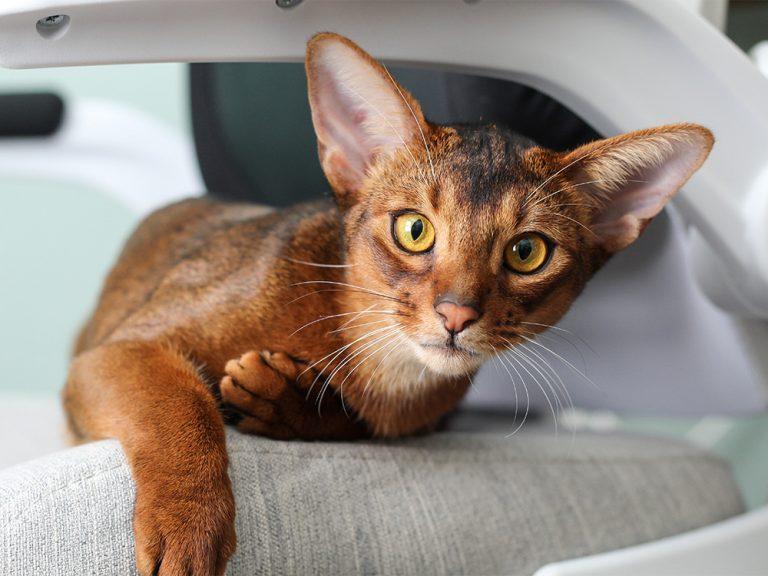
(277, 396)
(153, 400)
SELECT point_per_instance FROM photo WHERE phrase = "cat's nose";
(456, 316)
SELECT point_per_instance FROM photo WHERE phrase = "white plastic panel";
(104, 145)
(733, 547)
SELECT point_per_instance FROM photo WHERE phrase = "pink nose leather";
(457, 317)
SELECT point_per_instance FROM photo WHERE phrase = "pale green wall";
(58, 239)
(158, 89)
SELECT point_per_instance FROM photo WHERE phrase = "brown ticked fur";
(235, 300)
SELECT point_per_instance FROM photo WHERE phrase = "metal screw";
(53, 26)
(285, 4)
(52, 21)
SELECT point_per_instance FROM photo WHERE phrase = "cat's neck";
(383, 379)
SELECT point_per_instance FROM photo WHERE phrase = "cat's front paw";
(271, 392)
(183, 526)
(265, 388)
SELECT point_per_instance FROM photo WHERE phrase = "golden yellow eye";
(414, 232)
(527, 254)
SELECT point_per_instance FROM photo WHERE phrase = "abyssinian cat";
(366, 315)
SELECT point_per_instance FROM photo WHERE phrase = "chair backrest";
(255, 141)
(643, 313)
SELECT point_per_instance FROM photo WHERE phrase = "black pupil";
(416, 229)
(524, 249)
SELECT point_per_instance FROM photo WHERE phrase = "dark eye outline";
(393, 232)
(548, 242)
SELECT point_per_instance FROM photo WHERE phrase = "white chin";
(448, 362)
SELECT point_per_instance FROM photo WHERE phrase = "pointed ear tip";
(325, 39)
(701, 136)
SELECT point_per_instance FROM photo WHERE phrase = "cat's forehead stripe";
(487, 161)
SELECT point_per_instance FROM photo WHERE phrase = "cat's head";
(482, 237)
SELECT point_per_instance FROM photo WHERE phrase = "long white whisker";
(517, 357)
(564, 360)
(314, 292)
(399, 342)
(496, 362)
(549, 338)
(527, 394)
(395, 130)
(503, 358)
(346, 285)
(545, 376)
(564, 188)
(329, 317)
(336, 353)
(353, 326)
(349, 358)
(587, 228)
(418, 124)
(356, 366)
(317, 264)
(554, 372)
(559, 329)
(548, 180)
(358, 316)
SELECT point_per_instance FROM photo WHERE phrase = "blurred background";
(70, 226)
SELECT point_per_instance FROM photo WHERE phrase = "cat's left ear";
(360, 113)
(631, 177)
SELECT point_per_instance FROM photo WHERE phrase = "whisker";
(496, 362)
(336, 353)
(359, 325)
(527, 395)
(314, 292)
(347, 285)
(317, 264)
(517, 357)
(564, 360)
(548, 366)
(348, 359)
(550, 178)
(395, 130)
(550, 338)
(502, 359)
(559, 329)
(356, 317)
(563, 387)
(331, 316)
(356, 366)
(587, 228)
(418, 124)
(545, 376)
(402, 339)
(564, 188)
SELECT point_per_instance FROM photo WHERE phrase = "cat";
(364, 315)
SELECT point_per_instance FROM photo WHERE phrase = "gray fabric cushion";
(453, 502)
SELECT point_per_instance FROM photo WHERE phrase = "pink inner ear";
(342, 122)
(648, 188)
(358, 110)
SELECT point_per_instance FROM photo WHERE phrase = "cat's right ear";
(359, 112)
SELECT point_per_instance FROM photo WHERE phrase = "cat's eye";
(413, 232)
(527, 253)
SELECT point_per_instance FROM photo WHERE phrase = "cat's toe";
(246, 402)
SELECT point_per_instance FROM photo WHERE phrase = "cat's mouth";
(450, 348)
(449, 357)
